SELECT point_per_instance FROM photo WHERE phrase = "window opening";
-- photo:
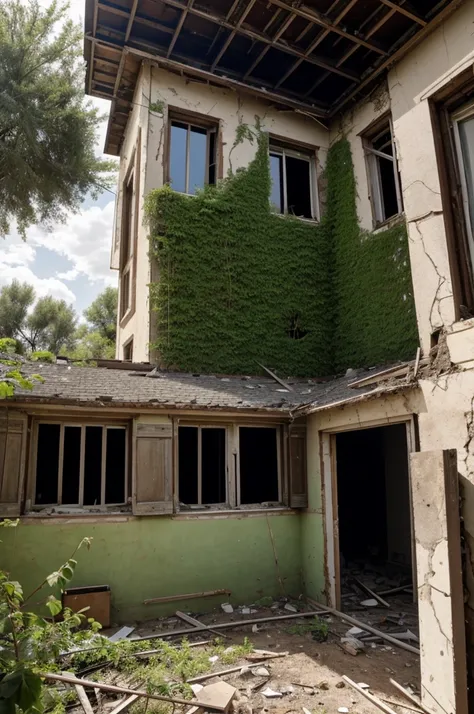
(463, 125)
(128, 220)
(202, 465)
(125, 292)
(295, 330)
(258, 454)
(192, 156)
(128, 351)
(80, 465)
(383, 172)
(293, 189)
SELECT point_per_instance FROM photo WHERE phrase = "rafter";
(262, 54)
(131, 19)
(403, 11)
(180, 24)
(322, 36)
(237, 26)
(228, 16)
(94, 30)
(140, 20)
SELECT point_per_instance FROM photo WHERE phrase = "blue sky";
(72, 260)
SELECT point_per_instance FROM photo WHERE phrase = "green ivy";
(239, 284)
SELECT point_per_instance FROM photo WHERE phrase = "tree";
(102, 313)
(47, 130)
(50, 325)
(90, 345)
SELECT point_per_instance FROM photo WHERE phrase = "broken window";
(80, 465)
(127, 240)
(202, 465)
(382, 166)
(193, 152)
(258, 457)
(463, 128)
(293, 178)
(128, 351)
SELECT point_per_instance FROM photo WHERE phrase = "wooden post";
(435, 498)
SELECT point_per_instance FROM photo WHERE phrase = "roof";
(313, 55)
(96, 386)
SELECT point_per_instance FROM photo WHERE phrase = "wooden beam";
(130, 20)
(237, 26)
(228, 16)
(180, 24)
(403, 11)
(91, 60)
(141, 20)
(277, 36)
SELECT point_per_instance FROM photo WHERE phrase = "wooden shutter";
(12, 463)
(152, 469)
(298, 478)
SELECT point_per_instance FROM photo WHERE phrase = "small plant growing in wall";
(30, 643)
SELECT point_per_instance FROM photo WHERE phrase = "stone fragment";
(371, 602)
(271, 693)
(290, 608)
(227, 607)
(323, 685)
(340, 685)
(260, 672)
(343, 710)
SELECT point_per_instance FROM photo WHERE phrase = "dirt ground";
(310, 676)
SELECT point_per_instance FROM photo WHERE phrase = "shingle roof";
(99, 386)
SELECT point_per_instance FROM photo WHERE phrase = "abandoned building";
(296, 194)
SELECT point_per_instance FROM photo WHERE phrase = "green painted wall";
(157, 556)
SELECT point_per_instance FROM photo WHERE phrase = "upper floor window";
(463, 126)
(382, 167)
(293, 176)
(192, 154)
(127, 242)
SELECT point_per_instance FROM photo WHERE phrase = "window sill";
(390, 223)
(235, 513)
(312, 221)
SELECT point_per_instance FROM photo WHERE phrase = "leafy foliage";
(47, 131)
(10, 346)
(240, 285)
(102, 313)
(29, 641)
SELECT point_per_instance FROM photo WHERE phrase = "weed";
(229, 655)
(318, 628)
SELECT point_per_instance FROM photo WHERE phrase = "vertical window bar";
(60, 464)
(208, 157)
(103, 466)
(82, 464)
(285, 196)
(279, 469)
(188, 140)
(396, 176)
(199, 465)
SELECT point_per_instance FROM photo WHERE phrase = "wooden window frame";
(193, 119)
(372, 157)
(283, 148)
(200, 427)
(127, 345)
(128, 263)
(233, 501)
(82, 425)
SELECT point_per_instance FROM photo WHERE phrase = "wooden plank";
(191, 621)
(125, 704)
(223, 672)
(121, 634)
(410, 696)
(84, 699)
(276, 378)
(371, 592)
(188, 596)
(371, 697)
(70, 679)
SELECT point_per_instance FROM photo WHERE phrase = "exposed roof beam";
(254, 35)
(228, 16)
(94, 29)
(180, 24)
(402, 10)
(237, 26)
(401, 52)
(262, 54)
(130, 20)
(141, 20)
(309, 14)
(316, 42)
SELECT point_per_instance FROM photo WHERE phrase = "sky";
(72, 260)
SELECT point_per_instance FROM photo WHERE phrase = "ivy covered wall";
(239, 284)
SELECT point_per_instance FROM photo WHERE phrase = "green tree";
(90, 345)
(102, 313)
(50, 325)
(47, 129)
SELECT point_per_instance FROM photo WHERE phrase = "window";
(202, 465)
(382, 167)
(293, 178)
(463, 127)
(258, 449)
(127, 240)
(128, 351)
(80, 465)
(193, 152)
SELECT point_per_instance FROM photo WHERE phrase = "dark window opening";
(128, 351)
(47, 464)
(92, 465)
(292, 180)
(373, 506)
(383, 174)
(202, 465)
(193, 153)
(125, 292)
(127, 221)
(295, 329)
(73, 470)
(71, 464)
(258, 453)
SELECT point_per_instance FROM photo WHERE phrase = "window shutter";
(12, 463)
(298, 478)
(152, 469)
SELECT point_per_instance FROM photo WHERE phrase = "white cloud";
(42, 286)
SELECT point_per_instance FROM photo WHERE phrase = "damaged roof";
(96, 386)
(315, 56)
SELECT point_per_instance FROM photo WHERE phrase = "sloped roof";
(95, 386)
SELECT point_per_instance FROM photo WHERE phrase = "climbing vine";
(239, 284)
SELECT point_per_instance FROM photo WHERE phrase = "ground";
(318, 666)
